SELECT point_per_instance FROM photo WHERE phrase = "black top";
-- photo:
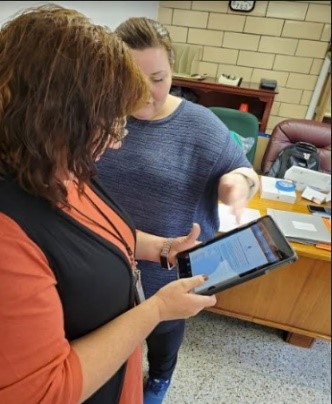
(94, 278)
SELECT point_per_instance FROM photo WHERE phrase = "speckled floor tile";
(229, 361)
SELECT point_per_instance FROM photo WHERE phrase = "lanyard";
(139, 293)
(116, 234)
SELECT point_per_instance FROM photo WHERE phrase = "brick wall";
(281, 40)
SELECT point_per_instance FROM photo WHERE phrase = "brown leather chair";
(299, 130)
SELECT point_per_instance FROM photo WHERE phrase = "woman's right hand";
(177, 301)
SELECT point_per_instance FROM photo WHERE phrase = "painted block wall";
(282, 40)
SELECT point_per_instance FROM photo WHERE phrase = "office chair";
(243, 123)
(299, 130)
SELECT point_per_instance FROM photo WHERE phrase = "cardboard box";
(304, 177)
(270, 191)
(262, 142)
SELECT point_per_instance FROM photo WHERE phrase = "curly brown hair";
(65, 87)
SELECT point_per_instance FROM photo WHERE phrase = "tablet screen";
(234, 256)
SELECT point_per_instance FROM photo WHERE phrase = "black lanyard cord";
(117, 235)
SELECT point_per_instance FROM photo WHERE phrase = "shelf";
(210, 93)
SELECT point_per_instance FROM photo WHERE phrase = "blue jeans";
(163, 345)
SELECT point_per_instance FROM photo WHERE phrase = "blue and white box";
(276, 189)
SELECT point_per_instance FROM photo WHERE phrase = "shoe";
(155, 390)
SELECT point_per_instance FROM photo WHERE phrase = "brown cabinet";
(212, 94)
(295, 298)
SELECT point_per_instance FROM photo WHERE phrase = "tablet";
(237, 256)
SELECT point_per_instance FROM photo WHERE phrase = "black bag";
(184, 92)
(300, 154)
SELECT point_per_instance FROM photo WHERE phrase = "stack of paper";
(228, 221)
(301, 227)
(325, 246)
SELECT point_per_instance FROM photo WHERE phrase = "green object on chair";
(242, 123)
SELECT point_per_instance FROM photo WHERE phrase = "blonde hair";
(141, 33)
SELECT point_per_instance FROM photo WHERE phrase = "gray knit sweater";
(166, 176)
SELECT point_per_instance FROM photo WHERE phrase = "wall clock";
(243, 6)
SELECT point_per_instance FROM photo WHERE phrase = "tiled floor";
(229, 361)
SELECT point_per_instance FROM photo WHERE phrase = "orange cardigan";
(44, 368)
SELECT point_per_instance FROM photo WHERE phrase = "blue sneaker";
(155, 390)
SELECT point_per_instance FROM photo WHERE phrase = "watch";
(243, 6)
(164, 254)
(250, 182)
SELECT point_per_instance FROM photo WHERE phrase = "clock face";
(244, 6)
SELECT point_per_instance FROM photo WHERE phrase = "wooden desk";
(295, 298)
(212, 94)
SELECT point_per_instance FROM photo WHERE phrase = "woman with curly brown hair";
(72, 322)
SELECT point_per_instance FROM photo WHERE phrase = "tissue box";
(270, 191)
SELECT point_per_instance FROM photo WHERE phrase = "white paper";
(313, 195)
(228, 221)
(304, 226)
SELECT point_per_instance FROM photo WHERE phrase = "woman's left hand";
(184, 242)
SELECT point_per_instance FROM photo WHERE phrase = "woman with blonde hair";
(182, 161)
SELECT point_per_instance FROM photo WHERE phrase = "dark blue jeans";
(163, 345)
